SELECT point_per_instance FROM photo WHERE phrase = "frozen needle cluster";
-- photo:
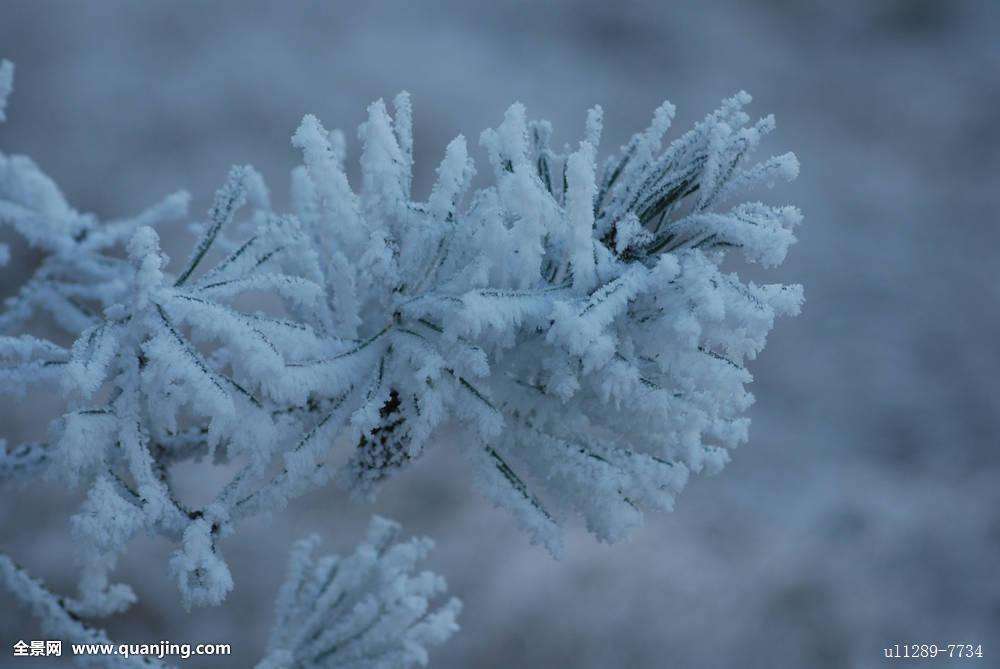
(365, 611)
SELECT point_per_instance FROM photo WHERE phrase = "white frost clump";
(576, 321)
(202, 575)
(572, 321)
(366, 610)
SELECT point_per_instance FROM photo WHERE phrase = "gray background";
(864, 511)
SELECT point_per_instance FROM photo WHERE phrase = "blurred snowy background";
(866, 508)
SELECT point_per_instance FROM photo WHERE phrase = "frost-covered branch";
(571, 323)
(78, 276)
(366, 610)
(59, 621)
